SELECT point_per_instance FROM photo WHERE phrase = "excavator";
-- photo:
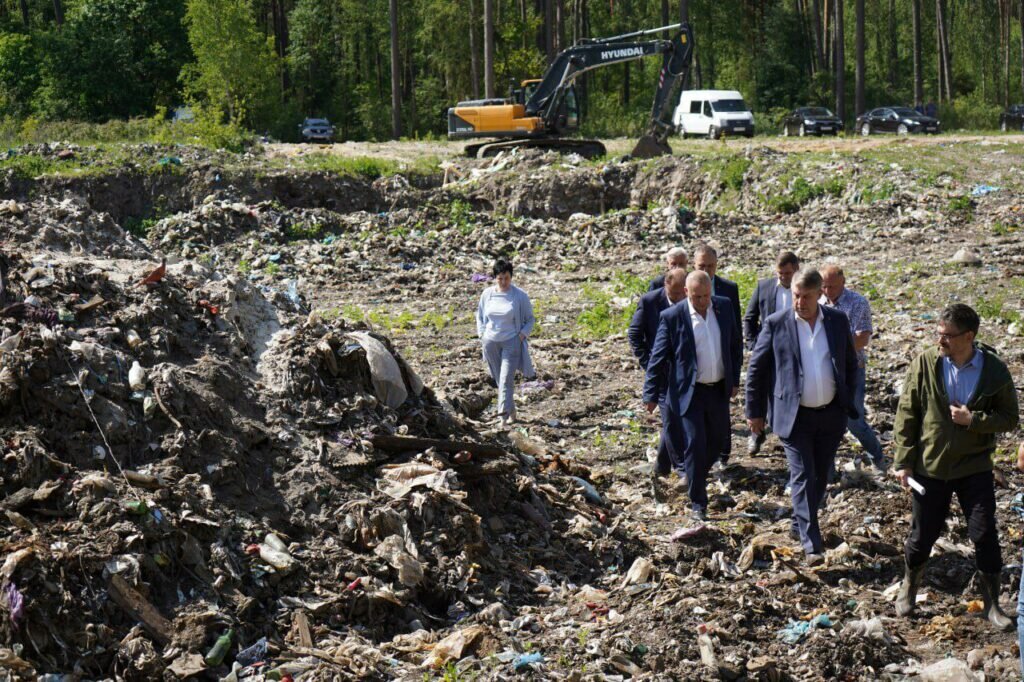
(541, 112)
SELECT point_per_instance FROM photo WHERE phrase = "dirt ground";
(547, 558)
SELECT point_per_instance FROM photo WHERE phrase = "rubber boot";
(906, 602)
(990, 586)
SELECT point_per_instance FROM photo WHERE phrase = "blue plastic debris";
(480, 277)
(798, 629)
(982, 190)
(1018, 505)
(589, 491)
(169, 161)
(408, 266)
(526, 660)
(253, 654)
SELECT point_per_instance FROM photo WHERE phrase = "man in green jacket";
(956, 398)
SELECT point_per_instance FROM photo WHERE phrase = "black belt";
(714, 385)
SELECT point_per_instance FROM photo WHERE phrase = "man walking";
(809, 352)
(858, 311)
(642, 331)
(693, 372)
(674, 258)
(705, 259)
(771, 295)
(956, 398)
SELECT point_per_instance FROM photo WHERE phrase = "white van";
(712, 113)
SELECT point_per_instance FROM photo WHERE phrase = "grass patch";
(460, 216)
(364, 167)
(960, 205)
(879, 192)
(745, 279)
(602, 315)
(304, 231)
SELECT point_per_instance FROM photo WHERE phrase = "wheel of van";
(1003, 127)
(902, 129)
(803, 130)
(712, 133)
(865, 129)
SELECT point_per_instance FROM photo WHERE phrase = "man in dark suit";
(771, 295)
(810, 353)
(674, 258)
(693, 372)
(644, 326)
(705, 259)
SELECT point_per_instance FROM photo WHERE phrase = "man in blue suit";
(771, 295)
(693, 372)
(810, 353)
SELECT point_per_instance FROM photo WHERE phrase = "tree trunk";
(840, 61)
(1005, 8)
(559, 25)
(829, 46)
(549, 30)
(24, 12)
(945, 57)
(280, 19)
(1022, 47)
(858, 96)
(488, 48)
(918, 65)
(396, 75)
(893, 51)
(816, 38)
(474, 58)
(58, 12)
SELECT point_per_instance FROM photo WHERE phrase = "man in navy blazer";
(693, 372)
(771, 295)
(644, 326)
(805, 363)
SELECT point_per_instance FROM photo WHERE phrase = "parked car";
(713, 113)
(811, 121)
(1012, 118)
(317, 130)
(899, 120)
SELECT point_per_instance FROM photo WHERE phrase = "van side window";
(695, 107)
(707, 109)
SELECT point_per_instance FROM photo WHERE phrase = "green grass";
(460, 216)
(746, 280)
(398, 322)
(800, 192)
(303, 231)
(601, 317)
(363, 167)
(960, 205)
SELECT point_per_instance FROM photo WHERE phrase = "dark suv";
(899, 120)
(1012, 118)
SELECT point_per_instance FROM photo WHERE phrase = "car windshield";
(317, 122)
(729, 105)
(904, 111)
(818, 111)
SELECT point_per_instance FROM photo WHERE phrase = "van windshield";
(729, 105)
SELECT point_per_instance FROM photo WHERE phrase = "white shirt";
(819, 385)
(707, 338)
(783, 297)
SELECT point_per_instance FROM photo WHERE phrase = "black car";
(1012, 118)
(899, 120)
(811, 121)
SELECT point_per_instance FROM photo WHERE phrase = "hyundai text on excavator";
(542, 112)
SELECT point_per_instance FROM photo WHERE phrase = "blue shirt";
(858, 310)
(961, 381)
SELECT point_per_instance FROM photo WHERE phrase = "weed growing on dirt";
(1001, 229)
(879, 192)
(746, 280)
(304, 231)
(604, 315)
(460, 216)
(802, 191)
(961, 205)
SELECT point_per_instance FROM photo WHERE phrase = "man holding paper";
(956, 397)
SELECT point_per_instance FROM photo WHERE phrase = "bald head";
(675, 284)
(698, 291)
(833, 282)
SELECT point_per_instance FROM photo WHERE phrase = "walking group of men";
(807, 335)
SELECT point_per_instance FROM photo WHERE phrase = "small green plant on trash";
(271, 269)
(460, 215)
(962, 205)
(582, 635)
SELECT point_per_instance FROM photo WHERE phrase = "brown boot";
(906, 602)
(990, 588)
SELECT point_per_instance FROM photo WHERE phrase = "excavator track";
(588, 149)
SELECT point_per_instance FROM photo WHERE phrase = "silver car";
(317, 130)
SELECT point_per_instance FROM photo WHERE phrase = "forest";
(382, 69)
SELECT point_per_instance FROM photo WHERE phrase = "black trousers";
(977, 497)
(693, 441)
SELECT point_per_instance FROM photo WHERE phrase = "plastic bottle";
(133, 339)
(282, 561)
(220, 649)
(137, 377)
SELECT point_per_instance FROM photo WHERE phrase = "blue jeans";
(1020, 620)
(859, 427)
(503, 358)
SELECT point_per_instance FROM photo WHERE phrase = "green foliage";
(970, 112)
(734, 171)
(460, 215)
(602, 316)
(236, 73)
(880, 192)
(962, 205)
(19, 74)
(303, 231)
(801, 191)
(746, 281)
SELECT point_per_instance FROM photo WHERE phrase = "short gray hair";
(698, 277)
(806, 279)
(675, 251)
(705, 250)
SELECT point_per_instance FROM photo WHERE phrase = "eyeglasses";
(942, 336)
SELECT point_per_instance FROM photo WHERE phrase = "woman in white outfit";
(504, 320)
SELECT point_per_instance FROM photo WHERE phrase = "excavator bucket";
(649, 146)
